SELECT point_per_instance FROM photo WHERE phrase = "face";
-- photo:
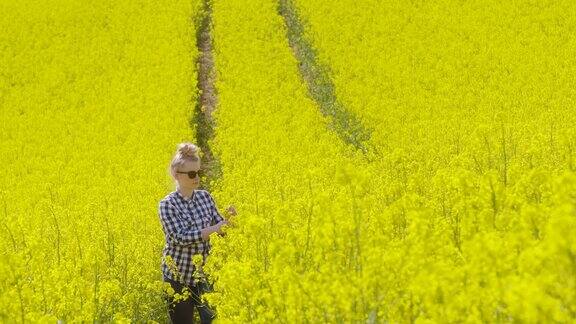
(183, 179)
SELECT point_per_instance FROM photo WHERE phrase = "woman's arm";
(177, 232)
(216, 217)
(212, 229)
(231, 211)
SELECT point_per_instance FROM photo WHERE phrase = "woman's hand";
(231, 210)
(220, 227)
(207, 231)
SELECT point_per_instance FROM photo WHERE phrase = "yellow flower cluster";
(465, 213)
(94, 97)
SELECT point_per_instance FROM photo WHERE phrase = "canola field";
(93, 96)
(463, 209)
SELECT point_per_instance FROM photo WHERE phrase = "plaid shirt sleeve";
(216, 217)
(174, 229)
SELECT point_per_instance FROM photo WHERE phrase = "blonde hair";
(186, 152)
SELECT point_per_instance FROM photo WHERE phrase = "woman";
(188, 217)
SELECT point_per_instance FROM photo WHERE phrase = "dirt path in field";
(320, 87)
(207, 101)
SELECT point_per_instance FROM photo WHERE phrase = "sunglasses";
(192, 174)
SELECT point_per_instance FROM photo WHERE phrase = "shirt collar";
(182, 197)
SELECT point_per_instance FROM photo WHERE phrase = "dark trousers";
(183, 311)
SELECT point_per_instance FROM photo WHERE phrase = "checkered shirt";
(182, 219)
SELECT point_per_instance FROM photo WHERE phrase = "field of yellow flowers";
(463, 210)
(94, 96)
(463, 214)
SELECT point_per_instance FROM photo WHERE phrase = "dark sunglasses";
(192, 174)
